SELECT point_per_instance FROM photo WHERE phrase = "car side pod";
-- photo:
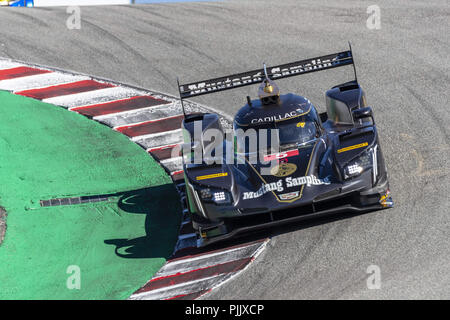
(362, 113)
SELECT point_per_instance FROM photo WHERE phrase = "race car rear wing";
(330, 61)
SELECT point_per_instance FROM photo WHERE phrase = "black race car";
(322, 163)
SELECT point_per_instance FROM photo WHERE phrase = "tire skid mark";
(421, 170)
(126, 46)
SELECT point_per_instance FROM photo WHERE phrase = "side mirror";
(362, 113)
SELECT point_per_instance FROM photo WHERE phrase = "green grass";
(47, 152)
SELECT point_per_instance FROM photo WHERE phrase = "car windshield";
(297, 132)
(291, 133)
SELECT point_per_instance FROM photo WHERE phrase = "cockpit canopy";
(292, 121)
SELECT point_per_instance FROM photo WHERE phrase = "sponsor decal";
(221, 84)
(308, 181)
(281, 155)
(257, 76)
(274, 186)
(301, 125)
(286, 115)
(288, 182)
(356, 146)
(211, 176)
(293, 68)
(289, 196)
(283, 169)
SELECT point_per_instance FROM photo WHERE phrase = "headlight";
(358, 165)
(205, 194)
(222, 197)
(216, 196)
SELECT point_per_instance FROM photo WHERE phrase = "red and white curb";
(195, 275)
(153, 121)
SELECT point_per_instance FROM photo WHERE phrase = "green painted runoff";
(103, 250)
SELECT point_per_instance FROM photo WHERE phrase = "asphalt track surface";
(403, 68)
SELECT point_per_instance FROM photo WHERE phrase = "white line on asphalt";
(6, 64)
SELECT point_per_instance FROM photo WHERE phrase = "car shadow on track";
(273, 232)
(161, 207)
(313, 222)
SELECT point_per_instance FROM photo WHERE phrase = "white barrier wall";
(51, 3)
